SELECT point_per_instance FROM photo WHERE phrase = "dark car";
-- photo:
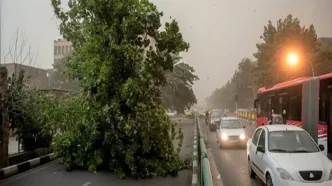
(215, 117)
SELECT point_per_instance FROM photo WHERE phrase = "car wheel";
(250, 171)
(269, 180)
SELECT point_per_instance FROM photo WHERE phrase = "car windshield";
(230, 124)
(291, 142)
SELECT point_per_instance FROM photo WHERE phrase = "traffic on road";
(230, 132)
(273, 155)
(283, 155)
(232, 162)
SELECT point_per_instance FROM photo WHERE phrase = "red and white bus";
(304, 102)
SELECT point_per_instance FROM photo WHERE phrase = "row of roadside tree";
(127, 70)
(270, 66)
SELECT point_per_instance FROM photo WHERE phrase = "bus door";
(329, 123)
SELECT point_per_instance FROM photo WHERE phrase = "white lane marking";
(86, 184)
(6, 182)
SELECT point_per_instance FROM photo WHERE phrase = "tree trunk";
(4, 118)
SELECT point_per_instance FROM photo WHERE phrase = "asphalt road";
(54, 174)
(232, 162)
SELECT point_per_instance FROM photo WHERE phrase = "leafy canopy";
(287, 36)
(242, 84)
(178, 94)
(120, 58)
(33, 113)
(271, 66)
(60, 78)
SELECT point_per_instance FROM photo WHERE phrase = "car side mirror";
(321, 147)
(260, 149)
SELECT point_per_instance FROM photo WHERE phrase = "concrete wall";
(59, 92)
(35, 77)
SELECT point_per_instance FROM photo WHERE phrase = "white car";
(230, 132)
(283, 155)
(171, 113)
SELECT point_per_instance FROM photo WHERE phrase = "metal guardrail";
(205, 176)
(246, 114)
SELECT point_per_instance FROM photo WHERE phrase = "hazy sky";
(220, 32)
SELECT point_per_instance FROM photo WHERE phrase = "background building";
(35, 77)
(62, 47)
(59, 78)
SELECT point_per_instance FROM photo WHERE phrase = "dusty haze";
(220, 32)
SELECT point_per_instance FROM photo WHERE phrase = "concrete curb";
(194, 181)
(216, 178)
(24, 166)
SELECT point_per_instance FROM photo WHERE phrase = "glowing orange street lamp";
(292, 59)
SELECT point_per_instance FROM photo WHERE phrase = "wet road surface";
(54, 174)
(232, 162)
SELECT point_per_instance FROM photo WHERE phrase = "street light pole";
(312, 69)
(292, 59)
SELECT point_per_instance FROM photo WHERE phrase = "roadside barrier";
(246, 114)
(24, 166)
(202, 157)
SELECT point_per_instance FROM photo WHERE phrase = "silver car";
(231, 132)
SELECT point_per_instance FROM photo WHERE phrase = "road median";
(216, 178)
(209, 174)
(24, 166)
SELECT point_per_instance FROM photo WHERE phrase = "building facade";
(62, 48)
(35, 77)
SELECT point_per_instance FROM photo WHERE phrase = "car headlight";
(284, 174)
(224, 137)
(330, 177)
(242, 136)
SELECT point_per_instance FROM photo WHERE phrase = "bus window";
(259, 107)
(279, 105)
(294, 108)
(271, 105)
